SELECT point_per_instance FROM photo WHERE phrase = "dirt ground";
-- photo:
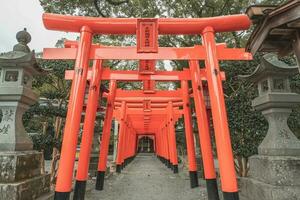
(146, 178)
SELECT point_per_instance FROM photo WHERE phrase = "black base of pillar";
(169, 165)
(62, 196)
(212, 189)
(175, 169)
(194, 179)
(79, 191)
(231, 195)
(118, 168)
(100, 180)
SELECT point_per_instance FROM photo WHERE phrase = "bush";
(45, 143)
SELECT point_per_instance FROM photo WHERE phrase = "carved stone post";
(274, 172)
(21, 174)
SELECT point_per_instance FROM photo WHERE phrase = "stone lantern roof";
(270, 66)
(21, 56)
(272, 79)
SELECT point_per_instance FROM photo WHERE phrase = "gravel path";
(146, 178)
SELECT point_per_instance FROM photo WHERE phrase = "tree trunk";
(55, 152)
(242, 166)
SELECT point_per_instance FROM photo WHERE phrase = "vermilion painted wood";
(108, 74)
(141, 113)
(68, 151)
(164, 53)
(122, 131)
(158, 103)
(161, 105)
(147, 66)
(154, 97)
(222, 135)
(146, 115)
(190, 143)
(159, 113)
(122, 26)
(167, 132)
(89, 123)
(171, 126)
(155, 100)
(202, 121)
(147, 35)
(152, 118)
(104, 147)
(153, 112)
(165, 143)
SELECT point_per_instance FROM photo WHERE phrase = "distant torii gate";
(132, 110)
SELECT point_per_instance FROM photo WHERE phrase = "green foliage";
(54, 93)
(45, 142)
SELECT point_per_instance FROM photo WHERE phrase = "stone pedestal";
(21, 176)
(272, 178)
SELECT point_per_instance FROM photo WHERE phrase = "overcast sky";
(15, 15)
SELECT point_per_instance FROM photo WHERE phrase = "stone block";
(28, 189)
(21, 176)
(276, 170)
(16, 166)
(252, 189)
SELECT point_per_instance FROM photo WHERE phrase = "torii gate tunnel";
(146, 112)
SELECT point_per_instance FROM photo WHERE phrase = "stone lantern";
(17, 69)
(274, 172)
(21, 174)
(275, 100)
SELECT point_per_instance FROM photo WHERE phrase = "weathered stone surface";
(276, 170)
(251, 189)
(93, 164)
(28, 189)
(16, 166)
(13, 136)
(280, 140)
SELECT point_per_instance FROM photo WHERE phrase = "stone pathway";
(146, 178)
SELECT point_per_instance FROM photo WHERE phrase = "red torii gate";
(147, 51)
